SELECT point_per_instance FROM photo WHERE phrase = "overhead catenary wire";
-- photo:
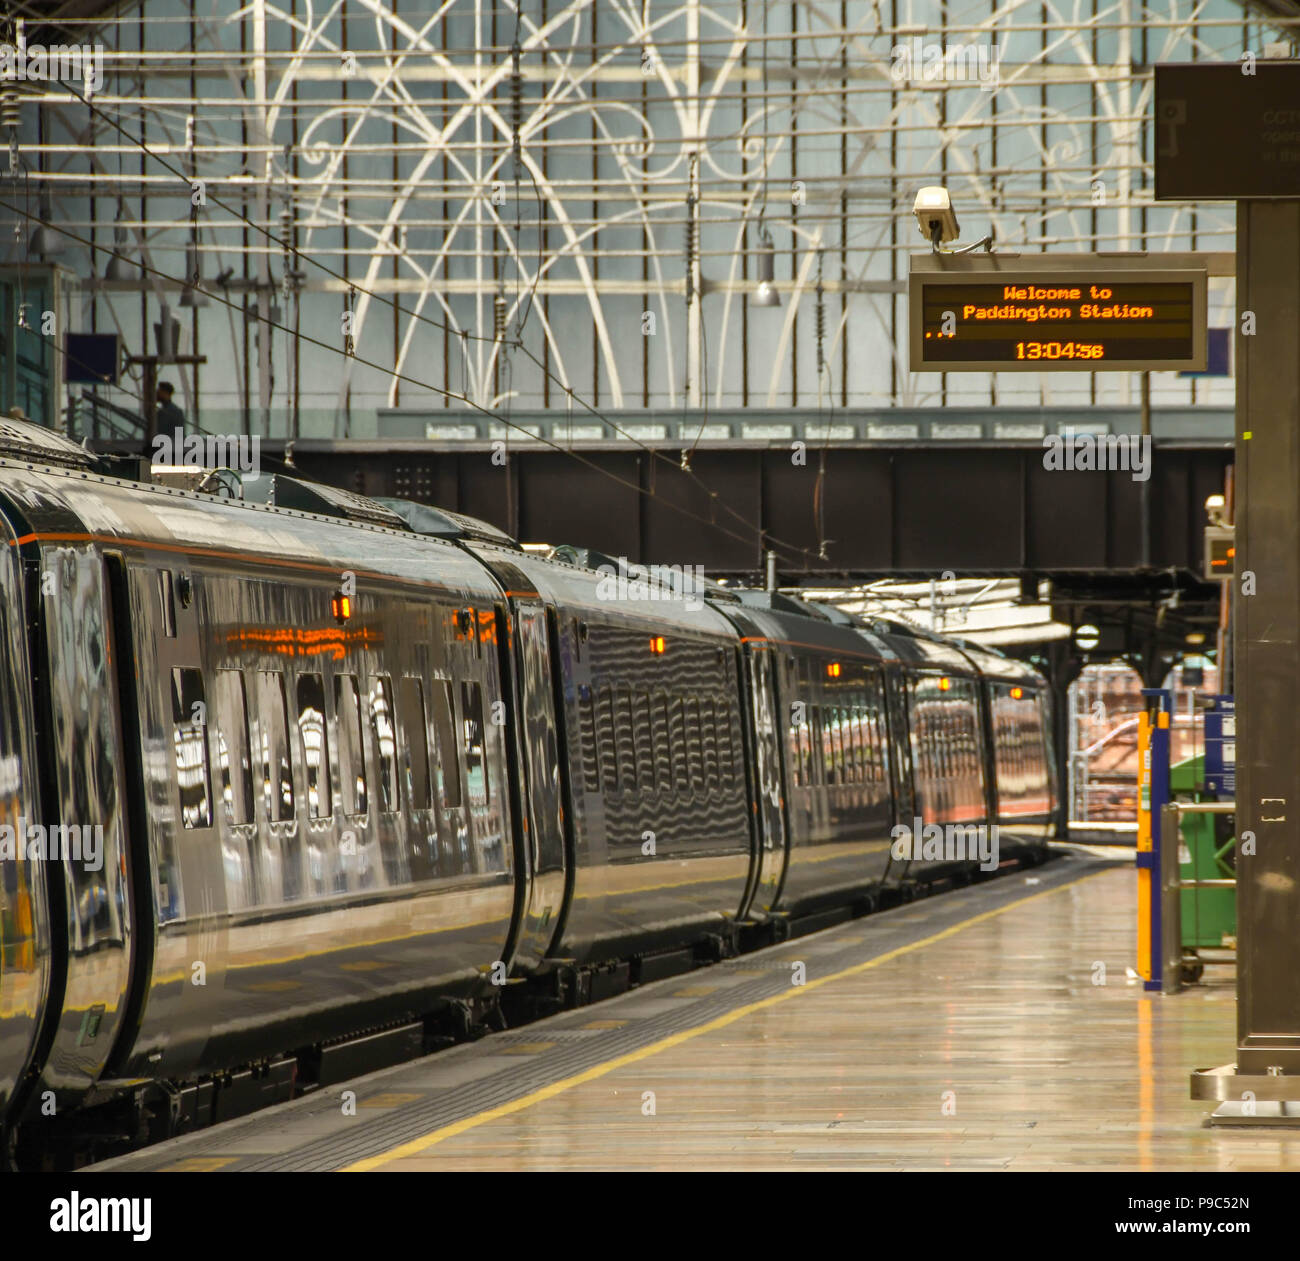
(758, 530)
(762, 538)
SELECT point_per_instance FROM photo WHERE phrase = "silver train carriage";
(298, 788)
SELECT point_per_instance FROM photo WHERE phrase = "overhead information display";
(1072, 319)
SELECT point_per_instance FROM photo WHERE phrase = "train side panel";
(651, 725)
(328, 832)
(26, 963)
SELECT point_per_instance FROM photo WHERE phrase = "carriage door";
(900, 721)
(544, 806)
(768, 734)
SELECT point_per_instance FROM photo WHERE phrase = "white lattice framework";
(381, 134)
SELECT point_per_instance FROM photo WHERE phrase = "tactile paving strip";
(406, 1102)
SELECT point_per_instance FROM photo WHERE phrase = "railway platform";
(995, 1027)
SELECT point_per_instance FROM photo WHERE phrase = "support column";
(1267, 637)
(1064, 665)
(262, 202)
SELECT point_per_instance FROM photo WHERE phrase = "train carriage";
(308, 785)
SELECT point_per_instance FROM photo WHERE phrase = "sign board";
(1068, 313)
(1223, 134)
(91, 358)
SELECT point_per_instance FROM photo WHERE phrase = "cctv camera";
(933, 211)
(1216, 509)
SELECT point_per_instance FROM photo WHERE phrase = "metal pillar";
(1153, 794)
(1267, 640)
(1262, 1087)
(1064, 666)
(262, 202)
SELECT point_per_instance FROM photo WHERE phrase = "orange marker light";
(341, 606)
(944, 684)
(833, 670)
(657, 645)
(1017, 693)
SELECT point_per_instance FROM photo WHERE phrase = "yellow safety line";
(415, 1146)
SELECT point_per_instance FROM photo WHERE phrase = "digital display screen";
(1069, 322)
(1220, 553)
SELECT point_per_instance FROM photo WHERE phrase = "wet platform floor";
(997, 1027)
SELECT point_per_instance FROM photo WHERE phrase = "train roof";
(606, 589)
(305, 519)
(45, 499)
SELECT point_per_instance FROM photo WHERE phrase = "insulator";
(820, 325)
(499, 318)
(10, 109)
(516, 97)
(689, 242)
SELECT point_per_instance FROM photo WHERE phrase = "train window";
(873, 732)
(448, 759)
(167, 602)
(851, 735)
(663, 751)
(190, 744)
(605, 738)
(277, 768)
(726, 771)
(1020, 752)
(826, 713)
(798, 744)
(471, 696)
(234, 754)
(694, 752)
(625, 739)
(645, 759)
(352, 758)
(870, 737)
(315, 744)
(415, 742)
(384, 733)
(587, 740)
(677, 743)
(709, 744)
